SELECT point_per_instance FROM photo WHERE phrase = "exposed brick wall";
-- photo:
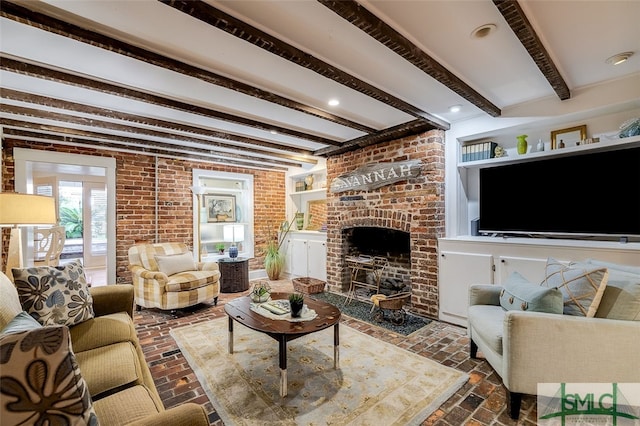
(135, 199)
(415, 206)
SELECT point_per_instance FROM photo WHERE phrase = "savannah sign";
(372, 176)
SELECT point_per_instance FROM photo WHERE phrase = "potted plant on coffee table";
(296, 301)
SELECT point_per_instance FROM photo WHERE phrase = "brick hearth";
(415, 206)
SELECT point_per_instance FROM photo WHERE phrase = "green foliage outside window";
(71, 219)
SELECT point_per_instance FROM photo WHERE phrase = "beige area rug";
(377, 383)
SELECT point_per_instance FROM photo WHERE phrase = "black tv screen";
(594, 194)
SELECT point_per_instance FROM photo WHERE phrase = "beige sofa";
(101, 354)
(526, 347)
(165, 276)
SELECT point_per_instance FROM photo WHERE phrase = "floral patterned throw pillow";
(41, 381)
(55, 294)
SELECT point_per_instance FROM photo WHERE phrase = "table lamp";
(232, 234)
(21, 210)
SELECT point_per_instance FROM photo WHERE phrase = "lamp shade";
(26, 209)
(233, 233)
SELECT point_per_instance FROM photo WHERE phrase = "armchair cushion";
(581, 287)
(520, 294)
(55, 294)
(176, 263)
(621, 297)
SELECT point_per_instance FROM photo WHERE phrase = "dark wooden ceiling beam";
(21, 14)
(140, 135)
(225, 22)
(392, 133)
(298, 155)
(363, 19)
(87, 82)
(62, 135)
(519, 23)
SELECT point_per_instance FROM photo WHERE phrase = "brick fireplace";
(414, 206)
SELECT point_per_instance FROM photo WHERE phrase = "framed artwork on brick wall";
(220, 207)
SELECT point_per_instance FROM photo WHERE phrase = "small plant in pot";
(296, 300)
(220, 248)
(261, 292)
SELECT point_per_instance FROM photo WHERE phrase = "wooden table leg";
(282, 349)
(336, 346)
(230, 335)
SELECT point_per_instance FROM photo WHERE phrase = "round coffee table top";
(239, 309)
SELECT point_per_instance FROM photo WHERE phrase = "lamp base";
(14, 256)
(233, 252)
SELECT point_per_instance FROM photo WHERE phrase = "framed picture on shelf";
(220, 207)
(568, 137)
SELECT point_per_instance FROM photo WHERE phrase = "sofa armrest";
(554, 348)
(189, 414)
(110, 299)
(484, 294)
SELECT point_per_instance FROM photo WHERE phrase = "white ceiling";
(578, 36)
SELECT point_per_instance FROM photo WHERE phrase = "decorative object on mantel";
(540, 146)
(570, 136)
(630, 128)
(499, 152)
(522, 144)
(372, 176)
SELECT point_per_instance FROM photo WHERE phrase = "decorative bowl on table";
(261, 292)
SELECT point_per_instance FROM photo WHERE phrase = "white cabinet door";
(457, 271)
(317, 259)
(298, 256)
(529, 267)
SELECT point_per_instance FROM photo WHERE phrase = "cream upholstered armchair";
(166, 276)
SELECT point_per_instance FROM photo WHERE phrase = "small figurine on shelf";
(308, 182)
(561, 144)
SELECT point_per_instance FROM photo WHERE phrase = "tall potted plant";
(273, 258)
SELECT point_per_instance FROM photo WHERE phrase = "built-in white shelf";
(603, 145)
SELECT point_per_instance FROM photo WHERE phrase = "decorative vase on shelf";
(540, 145)
(299, 221)
(308, 182)
(522, 144)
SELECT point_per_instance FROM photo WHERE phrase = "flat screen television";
(583, 195)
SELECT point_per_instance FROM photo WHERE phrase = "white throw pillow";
(176, 263)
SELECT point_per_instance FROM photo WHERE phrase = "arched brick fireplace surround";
(415, 206)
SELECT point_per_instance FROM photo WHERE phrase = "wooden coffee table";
(282, 330)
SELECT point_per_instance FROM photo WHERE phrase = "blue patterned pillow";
(519, 294)
(55, 294)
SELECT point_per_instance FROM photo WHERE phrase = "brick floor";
(481, 401)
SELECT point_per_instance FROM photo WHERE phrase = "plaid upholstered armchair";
(166, 276)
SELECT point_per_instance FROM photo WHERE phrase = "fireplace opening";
(393, 245)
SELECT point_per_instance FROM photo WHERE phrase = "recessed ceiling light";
(273, 132)
(455, 108)
(619, 58)
(333, 102)
(483, 30)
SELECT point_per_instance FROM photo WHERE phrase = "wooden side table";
(234, 274)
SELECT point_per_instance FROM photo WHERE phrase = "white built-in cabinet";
(487, 260)
(306, 255)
